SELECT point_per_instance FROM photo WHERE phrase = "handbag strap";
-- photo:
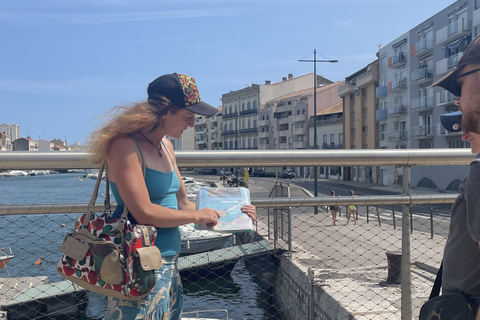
(142, 161)
(91, 204)
(437, 284)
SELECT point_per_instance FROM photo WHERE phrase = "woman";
(352, 210)
(333, 209)
(159, 198)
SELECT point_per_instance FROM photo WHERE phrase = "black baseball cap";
(471, 55)
(182, 91)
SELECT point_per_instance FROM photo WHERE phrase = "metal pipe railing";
(11, 160)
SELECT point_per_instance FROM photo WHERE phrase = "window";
(340, 138)
(325, 139)
(254, 104)
(332, 139)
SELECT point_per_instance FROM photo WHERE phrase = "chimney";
(284, 78)
(290, 76)
(268, 82)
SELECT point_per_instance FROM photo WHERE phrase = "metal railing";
(329, 267)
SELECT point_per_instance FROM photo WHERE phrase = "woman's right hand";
(207, 216)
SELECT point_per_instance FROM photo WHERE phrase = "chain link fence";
(305, 268)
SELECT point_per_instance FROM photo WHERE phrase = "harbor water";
(39, 235)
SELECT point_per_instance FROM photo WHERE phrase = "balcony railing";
(399, 59)
(398, 135)
(422, 131)
(423, 45)
(446, 64)
(397, 109)
(229, 115)
(249, 130)
(381, 114)
(422, 103)
(454, 31)
(421, 75)
(248, 111)
(398, 85)
(445, 98)
(263, 123)
(229, 133)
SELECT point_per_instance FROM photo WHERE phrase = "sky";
(64, 64)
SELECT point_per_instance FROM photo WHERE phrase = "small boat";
(195, 241)
(5, 256)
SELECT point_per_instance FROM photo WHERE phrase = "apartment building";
(250, 121)
(409, 108)
(12, 130)
(208, 132)
(359, 100)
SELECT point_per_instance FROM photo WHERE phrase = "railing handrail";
(434, 198)
(19, 160)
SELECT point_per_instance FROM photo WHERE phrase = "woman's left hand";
(251, 210)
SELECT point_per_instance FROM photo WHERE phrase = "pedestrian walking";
(333, 209)
(352, 210)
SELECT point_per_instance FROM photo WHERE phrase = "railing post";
(411, 218)
(431, 222)
(368, 218)
(378, 217)
(406, 294)
(393, 214)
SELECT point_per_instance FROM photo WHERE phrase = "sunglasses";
(458, 87)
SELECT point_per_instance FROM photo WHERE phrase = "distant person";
(461, 258)
(159, 198)
(352, 210)
(333, 209)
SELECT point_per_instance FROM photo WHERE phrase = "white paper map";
(229, 202)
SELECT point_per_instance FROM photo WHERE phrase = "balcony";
(422, 104)
(398, 60)
(454, 31)
(249, 130)
(368, 77)
(422, 75)
(200, 120)
(229, 133)
(381, 114)
(229, 115)
(345, 89)
(423, 46)
(300, 131)
(422, 131)
(264, 135)
(397, 110)
(332, 146)
(444, 65)
(300, 118)
(381, 91)
(283, 121)
(397, 135)
(300, 145)
(283, 107)
(283, 146)
(263, 123)
(445, 98)
(398, 85)
(247, 112)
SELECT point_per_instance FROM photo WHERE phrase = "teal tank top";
(162, 188)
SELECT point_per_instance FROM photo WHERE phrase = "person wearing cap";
(157, 196)
(461, 259)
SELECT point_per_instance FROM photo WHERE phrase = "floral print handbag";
(108, 255)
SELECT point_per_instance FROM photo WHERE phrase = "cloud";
(95, 18)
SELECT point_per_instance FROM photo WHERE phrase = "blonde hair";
(124, 120)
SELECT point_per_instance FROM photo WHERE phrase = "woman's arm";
(124, 168)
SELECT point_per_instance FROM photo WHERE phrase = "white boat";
(196, 241)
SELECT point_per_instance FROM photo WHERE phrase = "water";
(34, 236)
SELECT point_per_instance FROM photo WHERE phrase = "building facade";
(360, 118)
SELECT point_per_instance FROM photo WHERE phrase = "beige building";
(359, 114)
(208, 132)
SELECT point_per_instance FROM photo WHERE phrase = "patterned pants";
(163, 303)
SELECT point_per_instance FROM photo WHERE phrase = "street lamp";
(315, 144)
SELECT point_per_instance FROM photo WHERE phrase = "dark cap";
(182, 91)
(471, 55)
(451, 121)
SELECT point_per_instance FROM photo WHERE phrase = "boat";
(5, 256)
(195, 241)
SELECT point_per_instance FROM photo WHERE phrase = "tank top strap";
(165, 147)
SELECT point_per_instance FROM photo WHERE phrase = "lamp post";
(315, 144)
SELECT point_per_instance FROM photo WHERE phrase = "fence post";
(406, 288)
(411, 218)
(394, 221)
(378, 217)
(368, 219)
(431, 222)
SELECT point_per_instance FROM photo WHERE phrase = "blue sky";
(66, 63)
